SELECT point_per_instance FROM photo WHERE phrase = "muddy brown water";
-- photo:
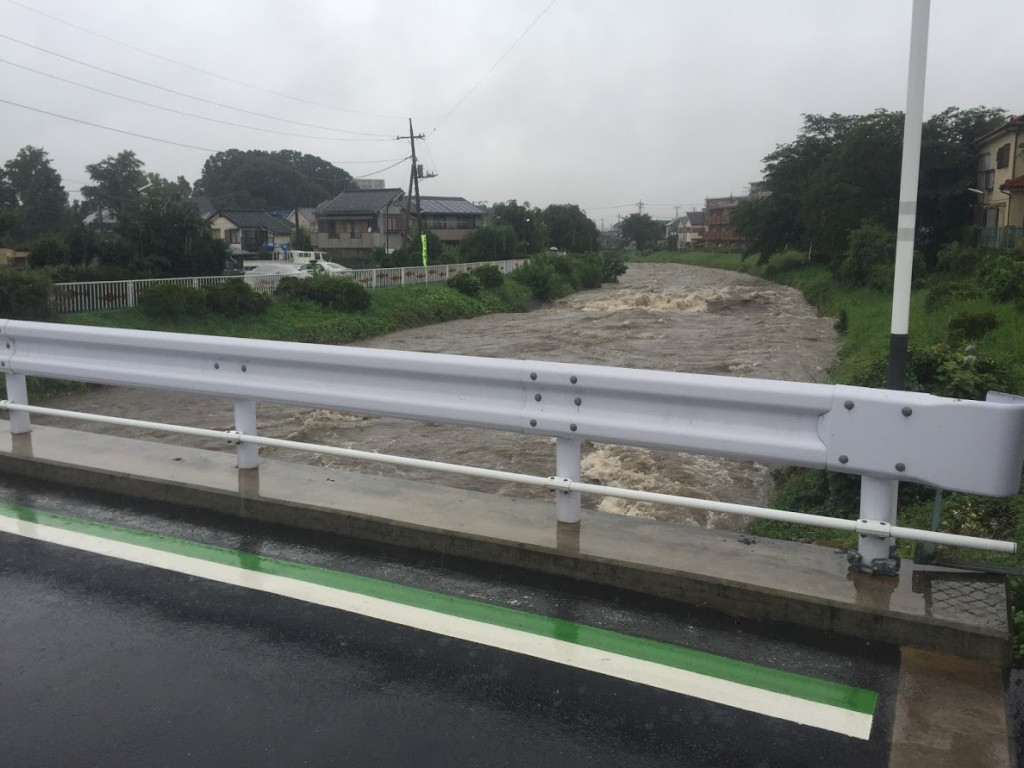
(659, 316)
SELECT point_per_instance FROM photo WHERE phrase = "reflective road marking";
(784, 695)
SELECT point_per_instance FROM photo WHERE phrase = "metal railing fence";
(883, 436)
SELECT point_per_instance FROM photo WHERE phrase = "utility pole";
(640, 207)
(415, 174)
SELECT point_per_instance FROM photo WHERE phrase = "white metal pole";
(567, 465)
(909, 174)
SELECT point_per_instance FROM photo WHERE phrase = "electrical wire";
(107, 127)
(198, 69)
(495, 65)
(169, 109)
(197, 98)
(381, 170)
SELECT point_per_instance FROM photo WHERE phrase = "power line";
(381, 170)
(196, 98)
(107, 127)
(169, 109)
(495, 65)
(198, 69)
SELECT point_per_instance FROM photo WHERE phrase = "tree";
(570, 229)
(169, 239)
(526, 222)
(255, 179)
(32, 196)
(118, 181)
(642, 229)
(842, 170)
(491, 243)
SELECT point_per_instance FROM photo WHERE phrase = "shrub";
(490, 276)
(235, 298)
(971, 326)
(842, 323)
(613, 265)
(25, 295)
(959, 260)
(171, 300)
(49, 251)
(942, 294)
(465, 282)
(337, 293)
(942, 370)
(1003, 279)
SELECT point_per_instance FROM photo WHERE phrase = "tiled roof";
(1016, 183)
(458, 205)
(204, 207)
(358, 202)
(257, 220)
(696, 218)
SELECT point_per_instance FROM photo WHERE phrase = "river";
(659, 316)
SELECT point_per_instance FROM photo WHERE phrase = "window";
(352, 229)
(394, 223)
(984, 162)
(1003, 156)
(232, 236)
(989, 182)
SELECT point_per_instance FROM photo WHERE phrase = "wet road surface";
(115, 663)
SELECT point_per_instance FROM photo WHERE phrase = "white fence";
(70, 298)
(884, 436)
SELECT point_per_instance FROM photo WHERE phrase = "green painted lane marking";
(743, 673)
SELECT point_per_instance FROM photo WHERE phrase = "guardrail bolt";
(572, 427)
(844, 459)
(907, 410)
(243, 369)
(901, 467)
(533, 422)
(216, 366)
(573, 379)
(537, 397)
(578, 401)
(533, 376)
(848, 405)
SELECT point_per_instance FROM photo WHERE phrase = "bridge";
(931, 614)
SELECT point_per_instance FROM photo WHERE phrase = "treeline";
(842, 171)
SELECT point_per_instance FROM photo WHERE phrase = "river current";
(659, 316)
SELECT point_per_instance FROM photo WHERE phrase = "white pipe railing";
(564, 486)
(968, 446)
(71, 298)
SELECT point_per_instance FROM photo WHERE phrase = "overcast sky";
(602, 103)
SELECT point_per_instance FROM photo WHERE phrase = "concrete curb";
(963, 614)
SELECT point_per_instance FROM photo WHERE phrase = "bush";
(613, 266)
(942, 370)
(25, 295)
(465, 282)
(49, 251)
(171, 301)
(489, 275)
(1003, 279)
(235, 298)
(869, 257)
(943, 294)
(842, 322)
(958, 260)
(337, 293)
(971, 326)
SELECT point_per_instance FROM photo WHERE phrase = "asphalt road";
(110, 662)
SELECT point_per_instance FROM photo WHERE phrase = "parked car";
(321, 267)
(276, 269)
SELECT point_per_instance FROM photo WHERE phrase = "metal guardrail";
(71, 298)
(884, 436)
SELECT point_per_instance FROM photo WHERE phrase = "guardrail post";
(245, 423)
(17, 392)
(875, 554)
(567, 464)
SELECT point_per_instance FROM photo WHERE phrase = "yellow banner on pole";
(423, 241)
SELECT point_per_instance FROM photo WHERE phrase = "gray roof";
(358, 202)
(204, 207)
(257, 220)
(460, 205)
(696, 218)
(309, 214)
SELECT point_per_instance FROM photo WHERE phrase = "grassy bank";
(940, 363)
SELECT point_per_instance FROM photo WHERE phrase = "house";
(1000, 182)
(354, 223)
(101, 217)
(203, 206)
(450, 218)
(248, 232)
(688, 230)
(13, 259)
(719, 229)
(305, 220)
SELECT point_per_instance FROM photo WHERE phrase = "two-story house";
(249, 232)
(688, 230)
(352, 224)
(1000, 181)
(450, 218)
